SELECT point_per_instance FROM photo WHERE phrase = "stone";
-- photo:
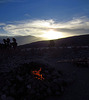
(57, 93)
(3, 97)
(60, 81)
(1, 93)
(49, 92)
(20, 90)
(4, 88)
(32, 91)
(68, 81)
(46, 71)
(55, 80)
(8, 82)
(29, 86)
(54, 87)
(19, 78)
(12, 90)
(62, 89)
(45, 94)
(10, 98)
(48, 76)
(38, 94)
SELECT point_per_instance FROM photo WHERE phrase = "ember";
(38, 75)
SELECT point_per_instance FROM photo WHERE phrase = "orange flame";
(38, 75)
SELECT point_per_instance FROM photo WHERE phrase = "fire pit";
(33, 81)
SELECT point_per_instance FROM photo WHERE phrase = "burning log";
(38, 75)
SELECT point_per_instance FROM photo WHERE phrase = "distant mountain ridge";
(21, 40)
(82, 40)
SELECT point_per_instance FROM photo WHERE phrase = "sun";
(51, 34)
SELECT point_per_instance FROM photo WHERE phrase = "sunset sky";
(45, 18)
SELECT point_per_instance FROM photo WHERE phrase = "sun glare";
(51, 34)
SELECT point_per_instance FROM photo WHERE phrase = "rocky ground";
(63, 78)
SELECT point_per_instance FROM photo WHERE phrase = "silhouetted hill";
(81, 40)
(73, 41)
(21, 40)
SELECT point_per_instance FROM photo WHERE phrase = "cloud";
(30, 27)
(1, 24)
(76, 26)
(27, 15)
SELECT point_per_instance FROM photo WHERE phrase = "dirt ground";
(79, 90)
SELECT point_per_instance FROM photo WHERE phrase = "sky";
(44, 18)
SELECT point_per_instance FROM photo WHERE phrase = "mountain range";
(32, 41)
(21, 40)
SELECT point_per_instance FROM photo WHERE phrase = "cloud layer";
(76, 26)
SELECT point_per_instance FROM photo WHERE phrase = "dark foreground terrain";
(65, 74)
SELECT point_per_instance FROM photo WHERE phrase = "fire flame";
(38, 75)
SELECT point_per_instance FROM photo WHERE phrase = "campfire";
(23, 82)
(38, 74)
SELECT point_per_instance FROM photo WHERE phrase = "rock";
(47, 84)
(1, 93)
(55, 80)
(60, 73)
(60, 81)
(62, 89)
(19, 78)
(12, 90)
(57, 93)
(32, 91)
(45, 94)
(3, 97)
(31, 80)
(43, 87)
(54, 87)
(29, 86)
(38, 94)
(43, 74)
(55, 73)
(8, 82)
(20, 90)
(46, 71)
(10, 98)
(48, 76)
(49, 92)
(68, 81)
(4, 88)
